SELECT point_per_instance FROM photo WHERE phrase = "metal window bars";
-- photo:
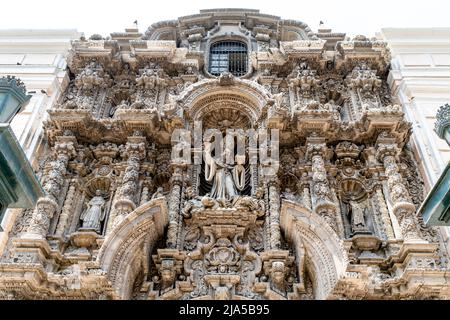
(228, 56)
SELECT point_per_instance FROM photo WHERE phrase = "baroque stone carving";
(333, 217)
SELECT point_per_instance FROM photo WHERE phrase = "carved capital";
(315, 146)
(135, 148)
(362, 77)
(40, 221)
(65, 147)
(386, 150)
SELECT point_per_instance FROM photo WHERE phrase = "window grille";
(228, 56)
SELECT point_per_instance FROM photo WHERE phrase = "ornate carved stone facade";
(123, 220)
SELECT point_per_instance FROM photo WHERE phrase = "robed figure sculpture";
(227, 180)
(94, 214)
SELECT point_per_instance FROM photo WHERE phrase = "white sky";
(103, 16)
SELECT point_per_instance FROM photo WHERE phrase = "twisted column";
(386, 220)
(403, 207)
(323, 203)
(174, 207)
(46, 206)
(134, 152)
(274, 213)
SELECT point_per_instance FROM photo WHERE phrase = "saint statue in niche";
(94, 214)
(357, 212)
(227, 180)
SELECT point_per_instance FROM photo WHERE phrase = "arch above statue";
(206, 96)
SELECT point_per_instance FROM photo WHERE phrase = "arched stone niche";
(125, 250)
(205, 96)
(318, 249)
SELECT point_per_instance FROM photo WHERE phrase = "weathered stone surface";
(124, 219)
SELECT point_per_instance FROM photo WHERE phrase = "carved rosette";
(403, 207)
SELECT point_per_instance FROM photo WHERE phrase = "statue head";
(167, 272)
(259, 193)
(190, 192)
(98, 193)
(240, 159)
(277, 272)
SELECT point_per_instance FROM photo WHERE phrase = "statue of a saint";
(94, 214)
(227, 180)
(356, 212)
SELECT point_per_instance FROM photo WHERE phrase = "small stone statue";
(158, 193)
(94, 214)
(356, 213)
(289, 195)
(193, 203)
(277, 276)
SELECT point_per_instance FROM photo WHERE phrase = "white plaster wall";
(420, 78)
(38, 58)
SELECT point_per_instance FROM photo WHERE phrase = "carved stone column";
(386, 220)
(338, 215)
(266, 218)
(253, 159)
(54, 179)
(403, 207)
(174, 207)
(323, 203)
(274, 213)
(66, 210)
(134, 151)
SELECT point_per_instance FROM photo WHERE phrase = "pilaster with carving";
(66, 210)
(134, 151)
(380, 201)
(321, 193)
(64, 149)
(403, 208)
(174, 201)
(274, 213)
